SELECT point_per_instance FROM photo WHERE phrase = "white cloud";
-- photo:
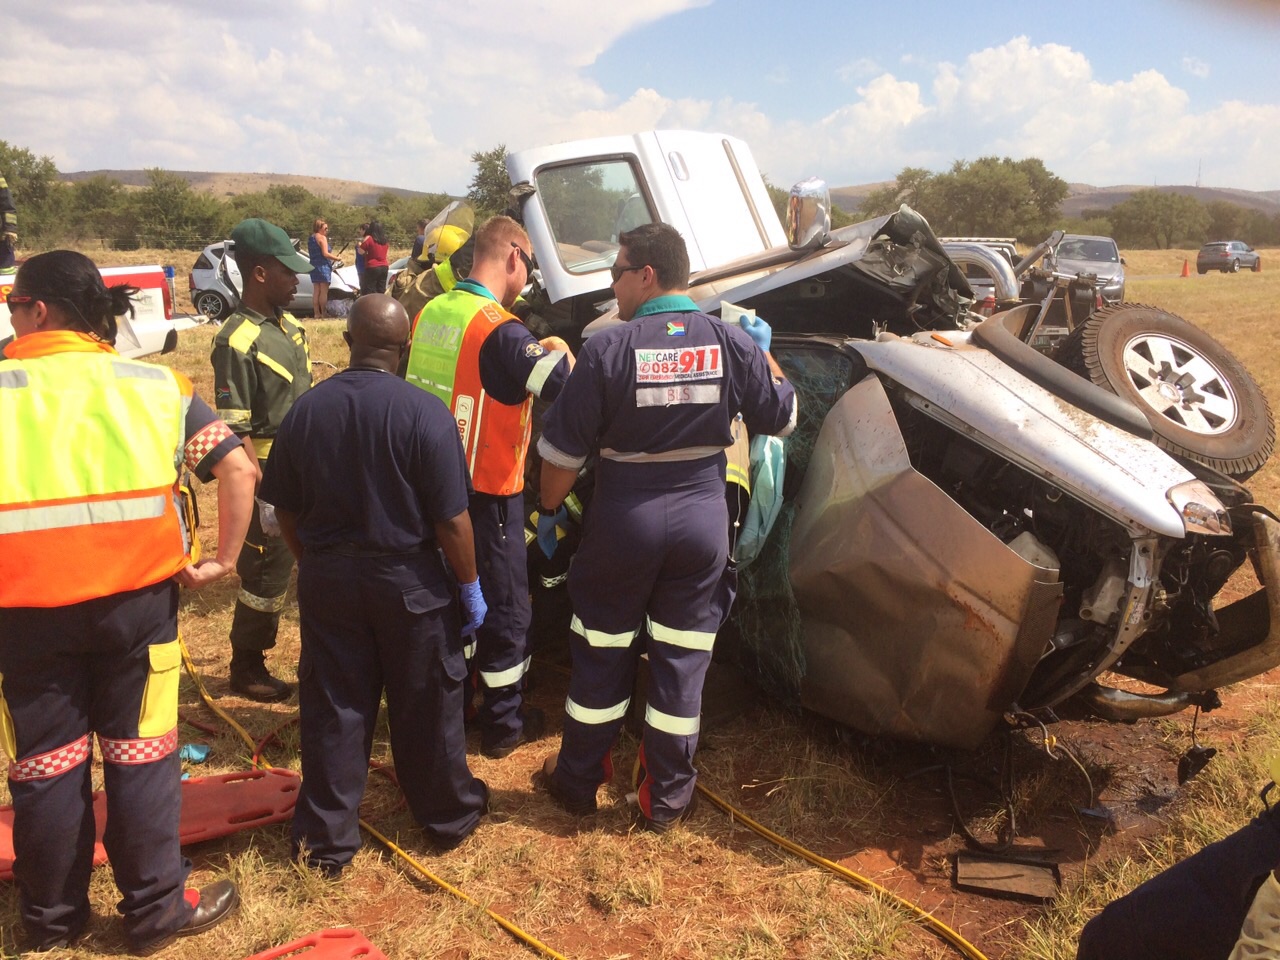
(1196, 67)
(402, 94)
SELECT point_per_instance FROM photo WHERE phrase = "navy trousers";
(674, 597)
(1193, 910)
(69, 671)
(502, 643)
(369, 625)
(264, 567)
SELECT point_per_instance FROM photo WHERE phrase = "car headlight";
(1201, 511)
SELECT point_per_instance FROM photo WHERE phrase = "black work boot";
(250, 679)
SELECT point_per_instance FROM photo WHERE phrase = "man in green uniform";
(261, 365)
(8, 226)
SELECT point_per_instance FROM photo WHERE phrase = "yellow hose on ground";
(497, 918)
(933, 923)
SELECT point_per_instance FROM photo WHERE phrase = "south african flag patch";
(675, 328)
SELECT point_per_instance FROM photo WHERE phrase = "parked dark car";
(1228, 256)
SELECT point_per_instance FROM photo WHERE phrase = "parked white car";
(212, 295)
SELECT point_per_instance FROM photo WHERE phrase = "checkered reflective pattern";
(54, 762)
(205, 442)
(138, 751)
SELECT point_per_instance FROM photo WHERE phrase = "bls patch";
(675, 328)
(534, 349)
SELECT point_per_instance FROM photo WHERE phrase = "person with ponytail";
(93, 546)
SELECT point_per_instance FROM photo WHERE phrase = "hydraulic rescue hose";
(935, 925)
(497, 918)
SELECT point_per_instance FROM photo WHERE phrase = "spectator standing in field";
(8, 227)
(369, 482)
(374, 247)
(261, 365)
(419, 240)
(321, 267)
(655, 399)
(93, 545)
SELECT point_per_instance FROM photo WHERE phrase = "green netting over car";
(765, 633)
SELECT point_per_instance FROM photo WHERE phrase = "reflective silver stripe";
(138, 371)
(504, 678)
(551, 582)
(557, 457)
(677, 394)
(65, 515)
(791, 424)
(13, 379)
(666, 456)
(261, 604)
(689, 639)
(596, 716)
(676, 726)
(469, 651)
(598, 638)
(541, 370)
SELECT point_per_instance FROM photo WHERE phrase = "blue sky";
(402, 92)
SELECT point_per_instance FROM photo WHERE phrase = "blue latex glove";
(473, 606)
(547, 524)
(194, 752)
(758, 330)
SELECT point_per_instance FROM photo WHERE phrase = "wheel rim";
(209, 305)
(1180, 384)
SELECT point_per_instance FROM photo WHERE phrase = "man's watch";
(544, 511)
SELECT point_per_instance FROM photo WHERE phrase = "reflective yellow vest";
(445, 360)
(88, 480)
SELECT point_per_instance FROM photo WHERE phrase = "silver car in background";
(1096, 255)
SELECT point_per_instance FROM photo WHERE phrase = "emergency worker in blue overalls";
(656, 399)
(475, 355)
(370, 486)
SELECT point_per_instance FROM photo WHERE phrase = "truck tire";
(1201, 402)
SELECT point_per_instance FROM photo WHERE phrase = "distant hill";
(1083, 196)
(223, 185)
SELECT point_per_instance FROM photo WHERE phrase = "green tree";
(98, 208)
(911, 187)
(489, 187)
(37, 193)
(1226, 220)
(1152, 218)
(170, 214)
(996, 197)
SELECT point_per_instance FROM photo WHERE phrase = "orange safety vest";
(89, 478)
(445, 360)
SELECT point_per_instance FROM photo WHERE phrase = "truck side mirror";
(809, 215)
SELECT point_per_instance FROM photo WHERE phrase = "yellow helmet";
(450, 239)
(447, 231)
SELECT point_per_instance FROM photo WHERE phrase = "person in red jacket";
(374, 248)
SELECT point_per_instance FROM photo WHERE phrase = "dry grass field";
(593, 889)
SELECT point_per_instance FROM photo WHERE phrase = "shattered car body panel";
(903, 590)
(956, 539)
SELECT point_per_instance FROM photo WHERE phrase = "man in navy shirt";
(655, 398)
(370, 486)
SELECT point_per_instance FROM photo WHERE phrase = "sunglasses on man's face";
(12, 300)
(617, 271)
(528, 260)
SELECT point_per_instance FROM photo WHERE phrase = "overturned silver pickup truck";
(967, 529)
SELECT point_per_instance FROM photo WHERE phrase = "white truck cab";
(587, 192)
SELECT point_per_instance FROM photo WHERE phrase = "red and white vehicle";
(149, 330)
